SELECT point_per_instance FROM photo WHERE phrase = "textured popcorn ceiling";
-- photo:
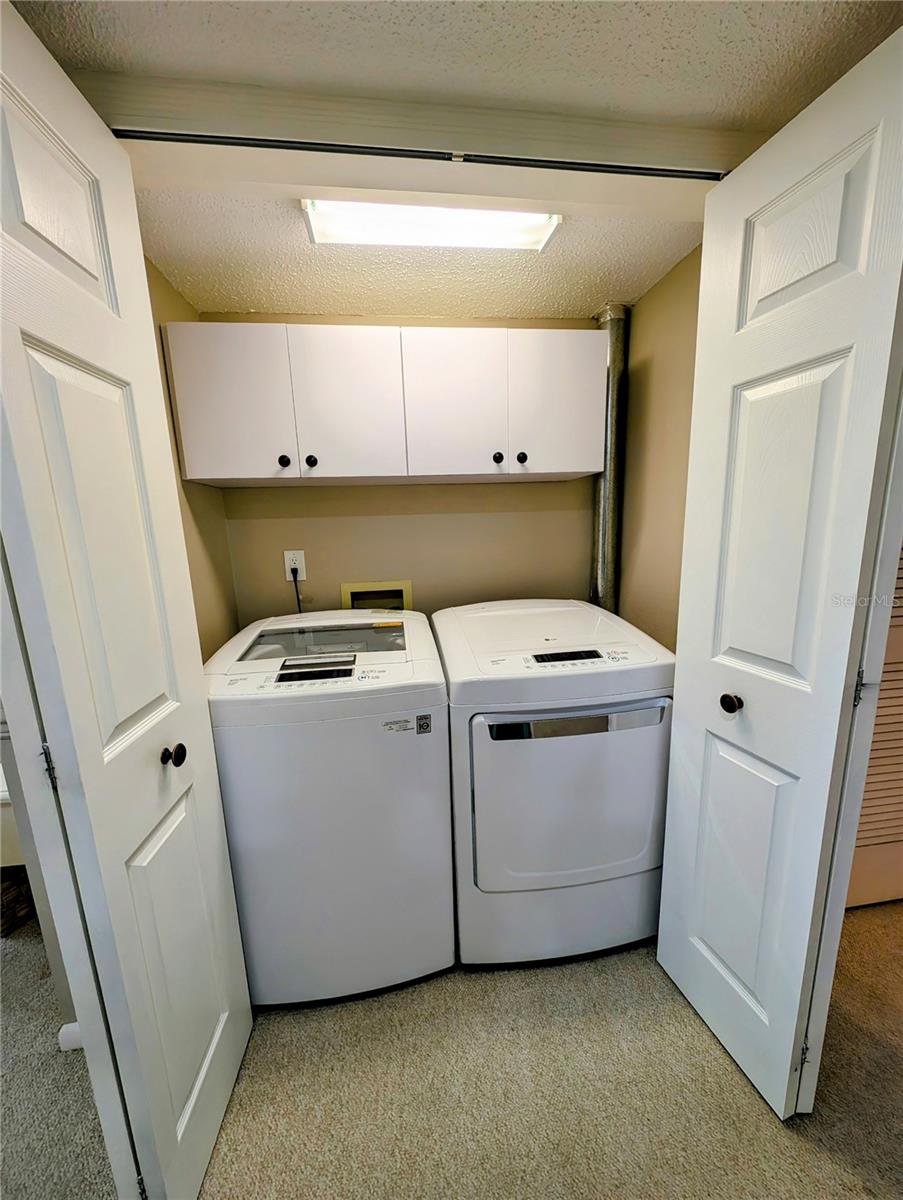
(238, 254)
(722, 65)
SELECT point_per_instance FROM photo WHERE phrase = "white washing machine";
(331, 734)
(560, 727)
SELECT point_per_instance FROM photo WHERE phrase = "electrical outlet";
(294, 558)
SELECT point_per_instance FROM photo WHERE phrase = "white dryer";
(331, 734)
(560, 727)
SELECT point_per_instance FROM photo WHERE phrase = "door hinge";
(142, 1190)
(860, 684)
(804, 1053)
(48, 764)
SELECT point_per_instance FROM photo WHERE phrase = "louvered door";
(878, 862)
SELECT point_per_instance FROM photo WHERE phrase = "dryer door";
(565, 798)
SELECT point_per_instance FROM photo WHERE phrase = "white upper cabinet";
(233, 399)
(456, 400)
(557, 382)
(259, 403)
(349, 400)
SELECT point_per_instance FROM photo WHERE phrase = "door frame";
(42, 802)
(877, 578)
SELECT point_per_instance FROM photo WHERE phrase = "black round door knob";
(176, 755)
(498, 457)
(521, 456)
(311, 460)
(284, 460)
(731, 703)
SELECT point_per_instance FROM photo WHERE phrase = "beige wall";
(457, 543)
(203, 514)
(661, 358)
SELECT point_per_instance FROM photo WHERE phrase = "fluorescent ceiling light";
(331, 222)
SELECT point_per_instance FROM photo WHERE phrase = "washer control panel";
(318, 677)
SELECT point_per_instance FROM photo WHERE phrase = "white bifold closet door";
(96, 554)
(795, 401)
(878, 861)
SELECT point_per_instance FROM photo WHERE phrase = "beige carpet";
(51, 1146)
(592, 1080)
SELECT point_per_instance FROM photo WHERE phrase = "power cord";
(295, 582)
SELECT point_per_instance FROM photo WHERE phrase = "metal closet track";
(501, 160)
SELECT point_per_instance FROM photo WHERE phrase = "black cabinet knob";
(731, 703)
(498, 457)
(521, 456)
(176, 755)
(311, 460)
(284, 460)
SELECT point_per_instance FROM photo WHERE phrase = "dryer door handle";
(578, 724)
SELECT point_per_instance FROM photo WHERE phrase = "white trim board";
(131, 102)
(270, 172)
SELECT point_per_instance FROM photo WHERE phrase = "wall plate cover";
(294, 558)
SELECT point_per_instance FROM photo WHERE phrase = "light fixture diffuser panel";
(346, 222)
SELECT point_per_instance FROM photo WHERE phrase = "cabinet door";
(456, 400)
(557, 381)
(233, 400)
(349, 400)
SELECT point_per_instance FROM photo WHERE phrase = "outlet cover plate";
(294, 558)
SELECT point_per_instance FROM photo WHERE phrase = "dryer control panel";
(598, 658)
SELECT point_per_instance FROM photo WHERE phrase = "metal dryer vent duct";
(609, 486)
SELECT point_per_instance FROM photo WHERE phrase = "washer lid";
(334, 639)
(314, 657)
(546, 649)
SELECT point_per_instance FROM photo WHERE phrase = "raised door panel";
(811, 235)
(745, 809)
(85, 419)
(779, 503)
(233, 398)
(177, 938)
(349, 400)
(456, 400)
(557, 382)
(51, 199)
